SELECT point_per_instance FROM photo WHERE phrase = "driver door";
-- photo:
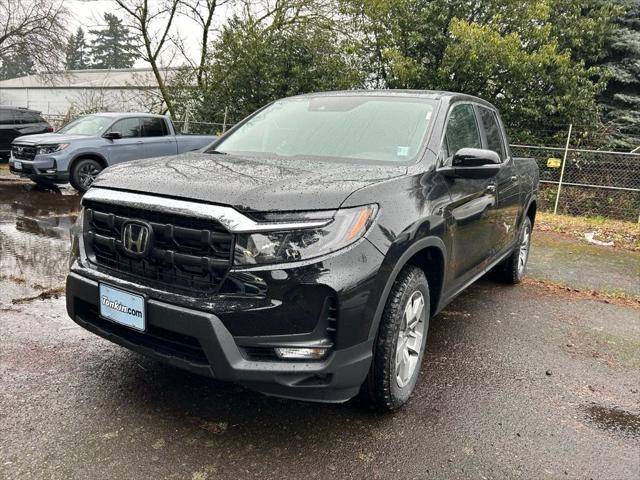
(129, 147)
(470, 215)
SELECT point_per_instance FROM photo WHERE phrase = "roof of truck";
(428, 94)
(127, 114)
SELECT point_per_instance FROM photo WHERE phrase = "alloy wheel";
(524, 249)
(87, 174)
(409, 342)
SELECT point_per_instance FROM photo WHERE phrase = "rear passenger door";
(156, 138)
(506, 181)
(470, 213)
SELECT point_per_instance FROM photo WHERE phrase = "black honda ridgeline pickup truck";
(303, 253)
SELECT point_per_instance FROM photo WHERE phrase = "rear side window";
(28, 117)
(153, 127)
(462, 129)
(492, 131)
(6, 117)
(127, 127)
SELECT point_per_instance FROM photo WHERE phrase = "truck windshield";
(89, 125)
(357, 128)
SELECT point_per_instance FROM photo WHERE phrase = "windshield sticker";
(402, 151)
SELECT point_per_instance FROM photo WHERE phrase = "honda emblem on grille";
(136, 238)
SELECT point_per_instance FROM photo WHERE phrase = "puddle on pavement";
(34, 238)
(614, 419)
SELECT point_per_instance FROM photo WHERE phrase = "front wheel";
(83, 173)
(513, 268)
(400, 343)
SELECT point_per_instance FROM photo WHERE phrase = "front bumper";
(218, 338)
(43, 167)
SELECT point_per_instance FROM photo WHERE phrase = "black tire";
(83, 173)
(382, 390)
(513, 269)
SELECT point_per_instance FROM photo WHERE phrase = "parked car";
(16, 122)
(79, 151)
(304, 253)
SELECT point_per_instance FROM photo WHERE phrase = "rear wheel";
(514, 267)
(400, 343)
(83, 173)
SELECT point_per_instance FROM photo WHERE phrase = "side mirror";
(112, 135)
(473, 163)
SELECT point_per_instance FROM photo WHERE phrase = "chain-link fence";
(594, 182)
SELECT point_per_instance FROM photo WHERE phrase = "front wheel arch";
(413, 255)
(101, 160)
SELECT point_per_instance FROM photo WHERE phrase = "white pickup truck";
(80, 150)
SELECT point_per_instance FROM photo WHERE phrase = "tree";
(262, 55)
(16, 65)
(153, 22)
(620, 101)
(76, 52)
(534, 60)
(113, 46)
(33, 29)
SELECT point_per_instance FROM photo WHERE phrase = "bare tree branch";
(153, 23)
(36, 27)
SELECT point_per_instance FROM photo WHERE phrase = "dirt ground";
(540, 380)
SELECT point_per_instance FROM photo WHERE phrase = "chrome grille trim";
(230, 218)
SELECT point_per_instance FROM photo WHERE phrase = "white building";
(81, 91)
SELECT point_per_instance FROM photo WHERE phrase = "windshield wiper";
(216, 152)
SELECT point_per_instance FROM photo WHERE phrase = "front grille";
(187, 254)
(23, 152)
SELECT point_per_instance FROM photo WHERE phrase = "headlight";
(345, 227)
(45, 149)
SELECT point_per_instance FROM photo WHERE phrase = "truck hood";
(49, 138)
(265, 184)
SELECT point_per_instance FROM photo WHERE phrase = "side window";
(492, 131)
(28, 117)
(127, 127)
(462, 129)
(153, 127)
(6, 117)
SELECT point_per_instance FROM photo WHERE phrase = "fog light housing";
(51, 170)
(300, 353)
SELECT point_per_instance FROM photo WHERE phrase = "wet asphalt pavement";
(518, 382)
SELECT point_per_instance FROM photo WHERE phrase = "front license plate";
(122, 307)
(17, 165)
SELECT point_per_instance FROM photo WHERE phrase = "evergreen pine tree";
(113, 46)
(76, 52)
(620, 102)
(16, 65)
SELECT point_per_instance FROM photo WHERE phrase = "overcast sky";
(89, 13)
